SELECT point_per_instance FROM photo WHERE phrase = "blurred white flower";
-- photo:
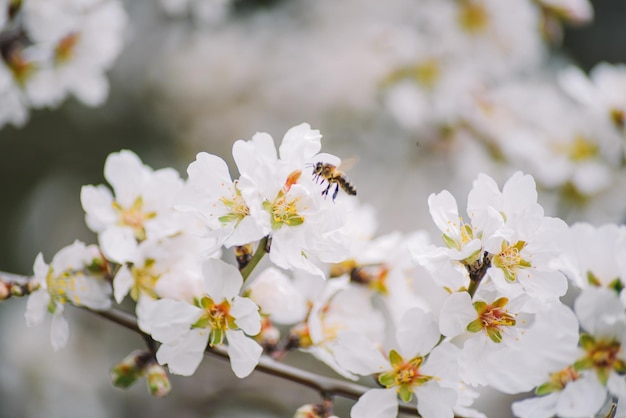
(74, 276)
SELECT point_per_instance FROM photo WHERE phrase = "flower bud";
(158, 382)
(5, 291)
(130, 369)
(309, 411)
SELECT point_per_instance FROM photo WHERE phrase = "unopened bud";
(158, 382)
(308, 411)
(16, 290)
(130, 369)
(5, 291)
(311, 411)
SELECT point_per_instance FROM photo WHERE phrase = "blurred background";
(193, 79)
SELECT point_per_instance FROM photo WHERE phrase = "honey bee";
(332, 175)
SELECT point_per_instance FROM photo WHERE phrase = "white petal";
(434, 401)
(300, 143)
(97, 203)
(40, 268)
(36, 307)
(246, 314)
(122, 283)
(376, 403)
(357, 354)
(277, 296)
(118, 244)
(91, 89)
(60, 330)
(443, 362)
(244, 353)
(598, 311)
(581, 398)
(417, 333)
(184, 356)
(170, 320)
(125, 173)
(538, 407)
(456, 313)
(221, 280)
(445, 213)
(323, 354)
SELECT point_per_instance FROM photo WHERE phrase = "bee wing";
(327, 158)
(348, 163)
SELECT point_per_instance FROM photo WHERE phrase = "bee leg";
(326, 190)
(336, 191)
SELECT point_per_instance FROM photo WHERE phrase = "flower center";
(510, 259)
(236, 207)
(62, 287)
(216, 317)
(134, 217)
(20, 67)
(404, 375)
(603, 356)
(145, 280)
(472, 16)
(64, 50)
(284, 209)
(492, 319)
(558, 381)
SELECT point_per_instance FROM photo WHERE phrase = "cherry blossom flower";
(218, 315)
(141, 208)
(304, 227)
(417, 366)
(214, 197)
(76, 276)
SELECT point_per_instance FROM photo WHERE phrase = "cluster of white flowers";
(50, 49)
(428, 322)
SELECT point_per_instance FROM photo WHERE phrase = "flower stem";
(261, 250)
(477, 271)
